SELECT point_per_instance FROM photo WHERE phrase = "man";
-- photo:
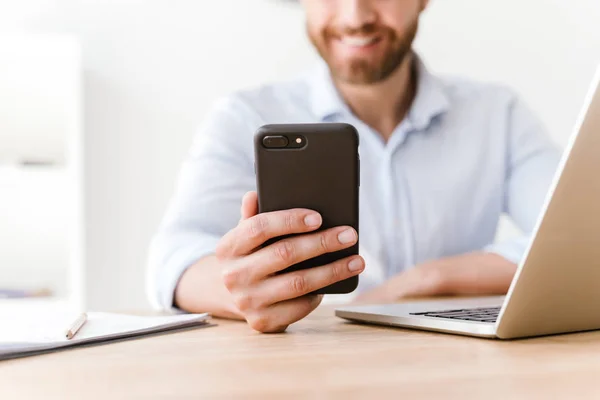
(441, 161)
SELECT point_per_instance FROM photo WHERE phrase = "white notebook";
(27, 335)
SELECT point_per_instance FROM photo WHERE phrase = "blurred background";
(99, 100)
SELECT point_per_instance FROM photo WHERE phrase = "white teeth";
(357, 41)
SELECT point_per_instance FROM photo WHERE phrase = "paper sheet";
(31, 333)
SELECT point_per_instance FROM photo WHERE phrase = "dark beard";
(362, 71)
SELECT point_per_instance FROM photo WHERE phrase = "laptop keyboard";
(487, 314)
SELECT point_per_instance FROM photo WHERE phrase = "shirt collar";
(430, 100)
(325, 100)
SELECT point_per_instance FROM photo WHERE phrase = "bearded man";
(441, 161)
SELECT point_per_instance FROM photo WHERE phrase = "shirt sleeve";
(215, 175)
(532, 160)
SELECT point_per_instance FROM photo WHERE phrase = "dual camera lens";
(284, 141)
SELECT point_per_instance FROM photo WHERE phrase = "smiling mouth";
(359, 41)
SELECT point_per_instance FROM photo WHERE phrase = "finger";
(249, 205)
(277, 317)
(255, 231)
(299, 283)
(287, 252)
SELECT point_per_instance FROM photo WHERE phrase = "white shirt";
(465, 154)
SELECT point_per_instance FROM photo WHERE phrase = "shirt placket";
(398, 208)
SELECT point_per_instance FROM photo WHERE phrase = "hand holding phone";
(268, 300)
(298, 238)
(312, 166)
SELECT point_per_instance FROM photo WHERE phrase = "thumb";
(249, 205)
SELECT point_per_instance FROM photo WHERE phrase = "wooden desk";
(319, 357)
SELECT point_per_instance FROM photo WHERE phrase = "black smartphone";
(313, 166)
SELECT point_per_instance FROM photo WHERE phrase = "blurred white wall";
(154, 66)
(547, 50)
(38, 82)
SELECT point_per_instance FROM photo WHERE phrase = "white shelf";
(41, 205)
(36, 212)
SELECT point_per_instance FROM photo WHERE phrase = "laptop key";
(484, 314)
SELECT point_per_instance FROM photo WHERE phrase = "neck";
(382, 105)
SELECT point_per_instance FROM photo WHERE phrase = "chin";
(358, 72)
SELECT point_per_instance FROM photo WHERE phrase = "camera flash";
(299, 140)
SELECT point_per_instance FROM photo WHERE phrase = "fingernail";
(356, 264)
(312, 220)
(347, 236)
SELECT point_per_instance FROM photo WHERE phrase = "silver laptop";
(557, 286)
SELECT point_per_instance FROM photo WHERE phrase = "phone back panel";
(322, 176)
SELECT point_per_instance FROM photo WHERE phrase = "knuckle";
(289, 221)
(298, 285)
(284, 250)
(264, 324)
(228, 246)
(336, 272)
(243, 301)
(231, 277)
(223, 249)
(324, 243)
(260, 323)
(258, 227)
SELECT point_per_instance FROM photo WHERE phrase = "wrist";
(420, 281)
(423, 280)
(432, 278)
